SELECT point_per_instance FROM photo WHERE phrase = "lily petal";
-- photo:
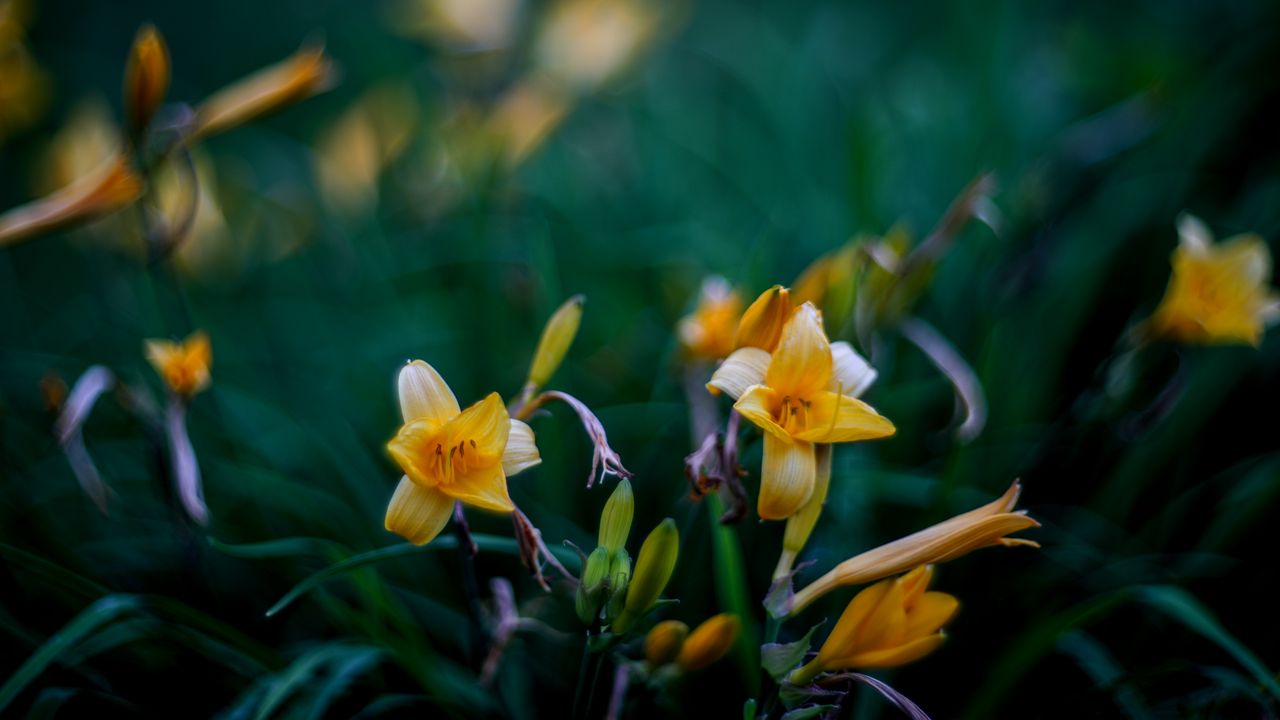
(485, 488)
(742, 369)
(417, 513)
(839, 418)
(930, 613)
(406, 449)
(757, 405)
(424, 394)
(893, 657)
(761, 325)
(851, 374)
(801, 364)
(786, 478)
(521, 452)
(486, 422)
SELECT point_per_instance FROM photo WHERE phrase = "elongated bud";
(708, 642)
(301, 75)
(801, 524)
(656, 562)
(615, 520)
(557, 336)
(593, 585)
(109, 187)
(619, 581)
(761, 325)
(146, 78)
(663, 642)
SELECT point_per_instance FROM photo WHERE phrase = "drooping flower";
(986, 526)
(1219, 292)
(799, 395)
(305, 73)
(450, 455)
(888, 624)
(183, 366)
(708, 332)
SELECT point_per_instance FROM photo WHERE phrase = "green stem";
(582, 676)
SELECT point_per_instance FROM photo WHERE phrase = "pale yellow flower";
(183, 366)
(888, 624)
(708, 332)
(585, 43)
(982, 527)
(469, 24)
(450, 455)
(303, 74)
(524, 117)
(367, 138)
(799, 395)
(1219, 292)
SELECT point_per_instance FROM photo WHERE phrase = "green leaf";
(779, 659)
(732, 593)
(98, 615)
(1181, 606)
(749, 709)
(490, 543)
(285, 547)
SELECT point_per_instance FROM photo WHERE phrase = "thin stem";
(582, 676)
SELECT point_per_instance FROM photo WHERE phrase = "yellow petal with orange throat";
(801, 363)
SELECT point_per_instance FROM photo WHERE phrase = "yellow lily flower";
(111, 186)
(891, 623)
(801, 398)
(1219, 293)
(305, 73)
(708, 333)
(585, 43)
(449, 454)
(183, 366)
(761, 325)
(524, 117)
(982, 527)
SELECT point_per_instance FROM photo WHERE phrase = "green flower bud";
(593, 586)
(615, 520)
(619, 580)
(654, 566)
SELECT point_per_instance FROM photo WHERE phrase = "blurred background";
(445, 197)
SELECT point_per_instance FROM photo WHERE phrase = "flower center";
(793, 414)
(447, 460)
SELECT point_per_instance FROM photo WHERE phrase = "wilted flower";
(662, 643)
(799, 395)
(891, 623)
(654, 565)
(708, 642)
(450, 455)
(183, 366)
(982, 527)
(113, 185)
(708, 333)
(1219, 293)
(146, 78)
(305, 73)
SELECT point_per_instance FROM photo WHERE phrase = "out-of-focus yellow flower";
(111, 186)
(146, 77)
(654, 565)
(180, 191)
(24, 87)
(800, 398)
(449, 454)
(523, 118)
(557, 336)
(708, 642)
(585, 43)
(303, 74)
(830, 283)
(1219, 292)
(468, 24)
(708, 332)
(982, 527)
(891, 623)
(81, 145)
(662, 644)
(183, 366)
(368, 137)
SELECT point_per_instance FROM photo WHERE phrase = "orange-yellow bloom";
(799, 395)
(305, 73)
(449, 454)
(1219, 293)
(113, 185)
(891, 623)
(982, 527)
(761, 325)
(708, 642)
(662, 644)
(146, 79)
(183, 366)
(708, 332)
